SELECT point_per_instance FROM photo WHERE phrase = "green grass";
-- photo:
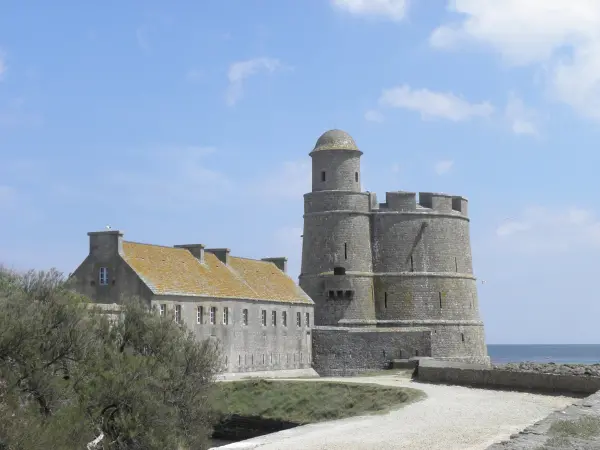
(304, 402)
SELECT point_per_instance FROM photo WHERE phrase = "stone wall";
(478, 376)
(340, 351)
(252, 347)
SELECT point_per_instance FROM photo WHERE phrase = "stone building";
(257, 313)
(389, 280)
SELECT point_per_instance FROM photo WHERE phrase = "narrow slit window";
(456, 264)
(440, 297)
(462, 336)
(356, 176)
(323, 176)
(345, 250)
(385, 299)
(412, 264)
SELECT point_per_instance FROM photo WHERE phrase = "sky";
(191, 122)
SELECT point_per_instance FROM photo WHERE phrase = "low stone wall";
(506, 378)
(575, 427)
(341, 351)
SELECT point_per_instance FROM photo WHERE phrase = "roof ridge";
(154, 245)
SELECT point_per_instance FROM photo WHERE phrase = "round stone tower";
(336, 255)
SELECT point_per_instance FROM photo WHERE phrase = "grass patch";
(305, 402)
(585, 427)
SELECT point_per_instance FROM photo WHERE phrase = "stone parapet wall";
(435, 371)
(339, 351)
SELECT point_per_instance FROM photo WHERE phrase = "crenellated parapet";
(403, 201)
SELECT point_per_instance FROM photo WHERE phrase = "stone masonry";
(400, 265)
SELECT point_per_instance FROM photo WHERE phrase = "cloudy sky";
(193, 123)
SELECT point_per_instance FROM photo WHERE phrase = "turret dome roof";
(335, 140)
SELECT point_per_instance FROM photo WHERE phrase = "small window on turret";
(340, 294)
(323, 177)
(339, 271)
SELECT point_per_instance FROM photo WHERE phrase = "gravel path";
(451, 418)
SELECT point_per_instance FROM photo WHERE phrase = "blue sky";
(192, 122)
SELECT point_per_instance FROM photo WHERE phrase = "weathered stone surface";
(592, 370)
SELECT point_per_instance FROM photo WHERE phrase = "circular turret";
(336, 162)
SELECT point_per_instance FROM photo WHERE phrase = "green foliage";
(69, 375)
(304, 402)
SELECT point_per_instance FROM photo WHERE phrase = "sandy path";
(451, 418)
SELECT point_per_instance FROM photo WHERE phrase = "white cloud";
(522, 120)
(392, 9)
(170, 177)
(290, 181)
(374, 116)
(2, 65)
(541, 230)
(560, 38)
(443, 167)
(432, 104)
(240, 71)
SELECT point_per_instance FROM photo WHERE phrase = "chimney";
(280, 262)
(221, 253)
(105, 244)
(197, 250)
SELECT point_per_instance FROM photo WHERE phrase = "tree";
(69, 378)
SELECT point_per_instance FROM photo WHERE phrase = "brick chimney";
(197, 250)
(221, 253)
(280, 262)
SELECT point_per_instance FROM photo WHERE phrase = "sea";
(559, 354)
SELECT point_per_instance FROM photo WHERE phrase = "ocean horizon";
(545, 353)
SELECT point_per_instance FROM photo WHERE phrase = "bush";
(69, 377)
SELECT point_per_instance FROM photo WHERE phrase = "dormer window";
(103, 276)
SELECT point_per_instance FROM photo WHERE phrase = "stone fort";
(379, 281)
(389, 280)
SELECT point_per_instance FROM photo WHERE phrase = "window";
(225, 316)
(307, 319)
(340, 294)
(412, 264)
(455, 264)
(284, 318)
(103, 276)
(274, 318)
(356, 176)
(462, 336)
(178, 313)
(199, 314)
(263, 318)
(339, 271)
(348, 294)
(440, 296)
(163, 310)
(385, 299)
(245, 317)
(323, 175)
(213, 315)
(298, 319)
(345, 250)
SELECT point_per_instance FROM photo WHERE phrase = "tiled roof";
(175, 271)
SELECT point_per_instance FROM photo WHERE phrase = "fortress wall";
(436, 243)
(328, 311)
(336, 239)
(340, 167)
(347, 351)
(252, 347)
(459, 342)
(425, 297)
(336, 201)
(448, 373)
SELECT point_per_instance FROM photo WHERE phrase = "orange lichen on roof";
(175, 271)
